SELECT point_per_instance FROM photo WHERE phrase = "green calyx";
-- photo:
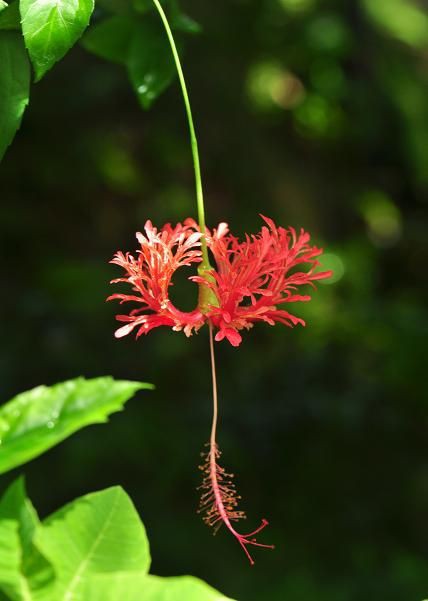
(207, 298)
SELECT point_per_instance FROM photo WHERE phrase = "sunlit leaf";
(10, 558)
(14, 85)
(99, 533)
(20, 562)
(14, 505)
(138, 587)
(51, 28)
(38, 419)
(180, 588)
(94, 548)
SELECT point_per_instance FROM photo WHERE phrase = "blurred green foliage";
(314, 113)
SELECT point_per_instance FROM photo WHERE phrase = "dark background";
(316, 114)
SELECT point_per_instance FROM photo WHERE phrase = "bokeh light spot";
(382, 217)
(269, 85)
(317, 117)
(328, 34)
(334, 262)
(328, 78)
(297, 6)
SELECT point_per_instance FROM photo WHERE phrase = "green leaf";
(181, 21)
(20, 562)
(92, 549)
(14, 505)
(10, 19)
(14, 85)
(10, 558)
(138, 587)
(150, 64)
(99, 533)
(51, 28)
(110, 39)
(38, 419)
(142, 46)
(3, 5)
(180, 588)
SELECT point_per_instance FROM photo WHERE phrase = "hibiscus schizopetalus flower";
(252, 280)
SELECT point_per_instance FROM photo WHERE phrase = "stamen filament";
(219, 501)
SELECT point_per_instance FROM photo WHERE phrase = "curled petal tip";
(124, 331)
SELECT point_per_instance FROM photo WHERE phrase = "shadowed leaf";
(10, 19)
(14, 85)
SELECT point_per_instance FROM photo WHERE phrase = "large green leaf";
(94, 549)
(180, 588)
(14, 85)
(20, 562)
(99, 533)
(38, 419)
(138, 587)
(51, 28)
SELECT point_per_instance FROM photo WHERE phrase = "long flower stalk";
(219, 498)
(193, 140)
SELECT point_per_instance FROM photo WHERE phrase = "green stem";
(205, 265)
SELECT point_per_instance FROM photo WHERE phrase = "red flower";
(150, 273)
(251, 281)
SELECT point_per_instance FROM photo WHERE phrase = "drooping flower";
(251, 281)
